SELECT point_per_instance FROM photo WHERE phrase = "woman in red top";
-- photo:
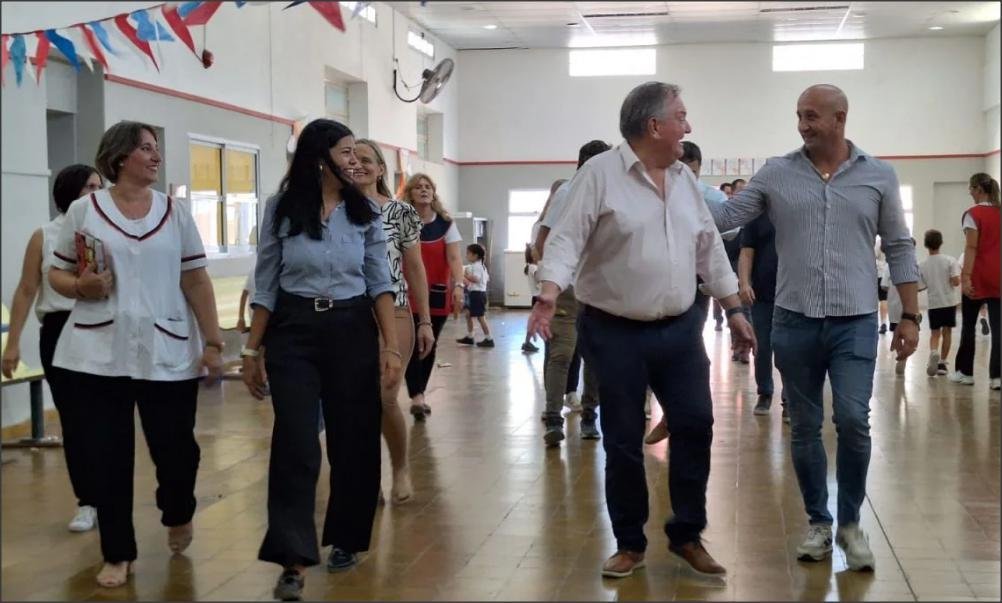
(980, 278)
(440, 242)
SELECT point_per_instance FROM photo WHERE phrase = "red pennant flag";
(95, 48)
(41, 54)
(330, 11)
(122, 21)
(177, 25)
(4, 57)
(202, 14)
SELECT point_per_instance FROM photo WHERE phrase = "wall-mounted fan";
(432, 82)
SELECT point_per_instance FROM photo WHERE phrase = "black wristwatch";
(915, 318)
(735, 310)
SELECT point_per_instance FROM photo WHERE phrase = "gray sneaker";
(554, 435)
(818, 544)
(589, 430)
(856, 545)
(290, 586)
(763, 405)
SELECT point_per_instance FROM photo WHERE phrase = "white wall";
(990, 105)
(915, 97)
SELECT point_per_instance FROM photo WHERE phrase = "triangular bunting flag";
(200, 15)
(41, 54)
(84, 53)
(65, 46)
(4, 57)
(122, 21)
(330, 11)
(147, 30)
(18, 56)
(102, 34)
(92, 43)
(177, 25)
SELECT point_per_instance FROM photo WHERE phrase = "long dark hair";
(70, 181)
(301, 190)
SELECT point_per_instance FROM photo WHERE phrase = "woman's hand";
(254, 375)
(390, 368)
(212, 359)
(94, 285)
(967, 287)
(457, 301)
(425, 340)
(12, 357)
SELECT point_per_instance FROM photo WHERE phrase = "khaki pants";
(559, 351)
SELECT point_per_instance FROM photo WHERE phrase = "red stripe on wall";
(195, 98)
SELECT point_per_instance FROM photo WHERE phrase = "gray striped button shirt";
(825, 231)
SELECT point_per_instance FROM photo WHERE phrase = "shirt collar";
(855, 153)
(630, 158)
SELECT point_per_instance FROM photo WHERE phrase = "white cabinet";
(516, 284)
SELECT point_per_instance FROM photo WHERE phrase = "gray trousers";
(557, 361)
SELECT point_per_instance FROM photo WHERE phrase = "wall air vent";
(802, 9)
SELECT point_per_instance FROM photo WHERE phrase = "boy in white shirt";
(941, 275)
(894, 306)
(475, 278)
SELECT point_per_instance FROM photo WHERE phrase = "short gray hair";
(118, 143)
(643, 103)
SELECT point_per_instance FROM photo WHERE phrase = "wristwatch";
(735, 310)
(249, 353)
(915, 318)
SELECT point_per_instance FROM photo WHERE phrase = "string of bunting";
(139, 32)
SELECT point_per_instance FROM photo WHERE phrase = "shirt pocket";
(351, 247)
(93, 336)
(172, 343)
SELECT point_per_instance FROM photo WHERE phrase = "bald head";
(828, 96)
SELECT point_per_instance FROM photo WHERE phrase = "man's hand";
(742, 334)
(542, 313)
(747, 294)
(457, 302)
(906, 337)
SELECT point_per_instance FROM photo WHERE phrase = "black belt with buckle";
(323, 304)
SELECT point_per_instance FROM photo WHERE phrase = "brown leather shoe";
(698, 559)
(622, 564)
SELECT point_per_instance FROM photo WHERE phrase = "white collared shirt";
(637, 254)
(145, 329)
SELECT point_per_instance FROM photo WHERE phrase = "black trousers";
(72, 412)
(969, 309)
(331, 356)
(167, 413)
(419, 369)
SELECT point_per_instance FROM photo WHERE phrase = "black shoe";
(589, 431)
(290, 586)
(340, 560)
(465, 340)
(554, 435)
(418, 412)
(941, 369)
(786, 415)
(984, 326)
(528, 347)
(883, 328)
(486, 343)
(763, 405)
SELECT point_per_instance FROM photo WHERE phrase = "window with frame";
(336, 101)
(524, 208)
(224, 195)
(422, 136)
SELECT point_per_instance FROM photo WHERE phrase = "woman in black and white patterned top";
(402, 226)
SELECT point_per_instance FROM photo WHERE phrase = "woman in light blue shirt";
(321, 270)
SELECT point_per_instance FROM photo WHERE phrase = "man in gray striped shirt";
(828, 201)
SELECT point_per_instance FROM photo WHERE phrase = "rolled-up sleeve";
(895, 240)
(64, 248)
(269, 260)
(744, 206)
(567, 238)
(192, 249)
(712, 264)
(377, 266)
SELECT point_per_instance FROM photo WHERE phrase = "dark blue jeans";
(761, 314)
(844, 349)
(669, 357)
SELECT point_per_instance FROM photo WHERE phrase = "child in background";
(894, 307)
(475, 278)
(941, 275)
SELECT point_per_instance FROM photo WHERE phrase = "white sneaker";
(856, 545)
(818, 544)
(933, 365)
(85, 519)
(572, 402)
(961, 378)
(995, 384)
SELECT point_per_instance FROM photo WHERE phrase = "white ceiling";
(545, 24)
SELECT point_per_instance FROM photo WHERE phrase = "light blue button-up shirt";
(349, 259)
(825, 231)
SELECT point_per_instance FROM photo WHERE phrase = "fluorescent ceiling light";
(935, 27)
(491, 26)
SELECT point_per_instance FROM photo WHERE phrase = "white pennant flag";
(80, 45)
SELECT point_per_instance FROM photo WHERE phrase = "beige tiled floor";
(497, 516)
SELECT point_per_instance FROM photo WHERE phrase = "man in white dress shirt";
(638, 233)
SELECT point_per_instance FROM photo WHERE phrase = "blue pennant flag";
(186, 8)
(18, 56)
(147, 31)
(102, 36)
(240, 3)
(294, 3)
(65, 46)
